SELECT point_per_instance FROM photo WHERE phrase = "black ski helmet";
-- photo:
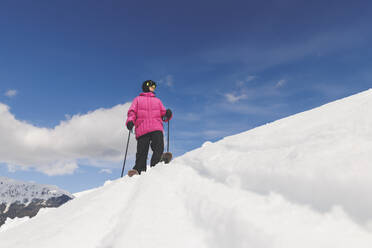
(146, 85)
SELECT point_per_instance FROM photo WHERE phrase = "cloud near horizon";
(95, 138)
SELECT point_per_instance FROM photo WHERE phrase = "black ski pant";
(156, 141)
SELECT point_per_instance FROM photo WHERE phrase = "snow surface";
(11, 223)
(303, 181)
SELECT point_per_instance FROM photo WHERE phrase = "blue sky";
(223, 67)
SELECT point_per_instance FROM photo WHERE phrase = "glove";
(130, 125)
(168, 115)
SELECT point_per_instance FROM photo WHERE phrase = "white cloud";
(61, 167)
(272, 110)
(241, 83)
(231, 97)
(108, 171)
(11, 93)
(95, 138)
(281, 83)
(168, 81)
(250, 78)
(13, 168)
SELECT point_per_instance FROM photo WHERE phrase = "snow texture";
(11, 223)
(303, 181)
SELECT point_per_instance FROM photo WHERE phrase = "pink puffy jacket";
(146, 112)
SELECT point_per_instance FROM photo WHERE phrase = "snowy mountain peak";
(24, 192)
(21, 199)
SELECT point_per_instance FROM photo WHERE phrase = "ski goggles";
(151, 84)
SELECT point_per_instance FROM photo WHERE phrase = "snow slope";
(303, 181)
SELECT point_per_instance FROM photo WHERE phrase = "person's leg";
(143, 144)
(157, 147)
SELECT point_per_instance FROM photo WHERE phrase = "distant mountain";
(20, 199)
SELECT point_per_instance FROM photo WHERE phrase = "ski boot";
(132, 173)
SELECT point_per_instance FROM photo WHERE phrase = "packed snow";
(302, 181)
(11, 223)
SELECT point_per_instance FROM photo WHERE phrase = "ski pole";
(168, 137)
(125, 158)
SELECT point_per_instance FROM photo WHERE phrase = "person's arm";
(166, 115)
(132, 112)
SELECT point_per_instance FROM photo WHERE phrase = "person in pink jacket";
(147, 114)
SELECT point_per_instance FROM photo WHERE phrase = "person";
(147, 114)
